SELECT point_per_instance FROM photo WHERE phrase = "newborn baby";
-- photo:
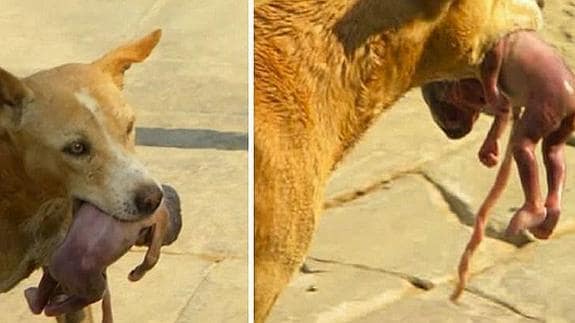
(76, 275)
(521, 70)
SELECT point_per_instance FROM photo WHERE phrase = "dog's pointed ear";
(117, 61)
(14, 96)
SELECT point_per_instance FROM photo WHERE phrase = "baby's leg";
(553, 156)
(38, 297)
(529, 132)
(490, 69)
(153, 254)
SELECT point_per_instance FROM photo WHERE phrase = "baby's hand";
(489, 153)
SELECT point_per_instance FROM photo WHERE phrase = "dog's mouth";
(78, 207)
(76, 204)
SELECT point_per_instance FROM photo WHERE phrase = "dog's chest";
(31, 240)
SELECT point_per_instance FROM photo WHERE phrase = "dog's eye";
(77, 148)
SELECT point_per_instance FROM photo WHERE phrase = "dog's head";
(72, 125)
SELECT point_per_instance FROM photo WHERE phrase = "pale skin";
(521, 70)
(76, 275)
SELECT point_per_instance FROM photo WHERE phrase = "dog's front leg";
(287, 202)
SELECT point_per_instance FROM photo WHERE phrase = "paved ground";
(191, 100)
(398, 216)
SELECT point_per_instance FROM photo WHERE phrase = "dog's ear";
(117, 61)
(14, 96)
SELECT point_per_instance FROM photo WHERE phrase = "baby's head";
(454, 105)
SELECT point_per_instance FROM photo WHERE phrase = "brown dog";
(323, 72)
(66, 145)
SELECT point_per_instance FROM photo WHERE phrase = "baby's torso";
(533, 71)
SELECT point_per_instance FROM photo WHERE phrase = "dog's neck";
(32, 217)
(347, 61)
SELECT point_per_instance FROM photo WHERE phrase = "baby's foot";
(545, 229)
(526, 218)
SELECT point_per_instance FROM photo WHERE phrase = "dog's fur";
(40, 117)
(324, 70)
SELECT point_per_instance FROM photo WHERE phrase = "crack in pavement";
(502, 303)
(462, 211)
(345, 198)
(217, 258)
(456, 205)
(206, 274)
(417, 282)
(426, 285)
(411, 169)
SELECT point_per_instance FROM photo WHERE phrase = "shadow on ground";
(191, 138)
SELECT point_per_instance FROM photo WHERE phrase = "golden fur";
(324, 70)
(40, 114)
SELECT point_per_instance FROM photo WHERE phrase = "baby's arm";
(489, 152)
(490, 70)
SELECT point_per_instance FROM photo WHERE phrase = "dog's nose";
(147, 199)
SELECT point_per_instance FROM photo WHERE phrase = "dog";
(67, 141)
(324, 71)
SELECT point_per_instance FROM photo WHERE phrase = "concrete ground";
(398, 215)
(191, 102)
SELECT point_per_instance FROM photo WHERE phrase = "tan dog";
(324, 70)
(67, 140)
